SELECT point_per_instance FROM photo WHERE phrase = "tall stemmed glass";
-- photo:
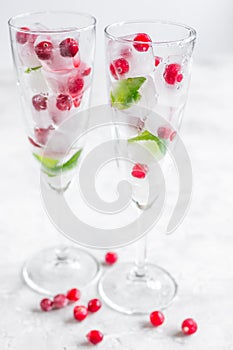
(148, 65)
(53, 54)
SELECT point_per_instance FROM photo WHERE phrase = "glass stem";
(141, 258)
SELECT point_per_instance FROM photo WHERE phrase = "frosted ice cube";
(42, 118)
(149, 96)
(58, 116)
(27, 55)
(36, 81)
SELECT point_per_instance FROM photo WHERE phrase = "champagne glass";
(53, 54)
(148, 65)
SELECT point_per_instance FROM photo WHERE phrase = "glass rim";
(53, 31)
(192, 32)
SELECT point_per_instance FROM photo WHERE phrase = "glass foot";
(125, 291)
(56, 270)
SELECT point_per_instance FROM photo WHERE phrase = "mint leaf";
(29, 70)
(126, 92)
(147, 136)
(50, 166)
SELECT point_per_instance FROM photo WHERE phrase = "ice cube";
(42, 118)
(35, 81)
(58, 116)
(27, 55)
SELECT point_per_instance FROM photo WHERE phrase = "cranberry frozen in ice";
(64, 102)
(172, 73)
(39, 102)
(142, 42)
(69, 47)
(42, 134)
(44, 50)
(22, 37)
(139, 171)
(75, 85)
(119, 67)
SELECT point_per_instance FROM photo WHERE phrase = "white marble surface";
(199, 254)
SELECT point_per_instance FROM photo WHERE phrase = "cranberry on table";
(44, 50)
(95, 337)
(68, 47)
(157, 318)
(22, 37)
(73, 294)
(111, 258)
(80, 312)
(189, 326)
(119, 67)
(39, 102)
(64, 102)
(94, 305)
(60, 301)
(172, 73)
(46, 304)
(141, 41)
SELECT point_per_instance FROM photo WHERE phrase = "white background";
(213, 19)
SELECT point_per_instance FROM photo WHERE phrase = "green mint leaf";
(29, 70)
(126, 92)
(50, 166)
(147, 136)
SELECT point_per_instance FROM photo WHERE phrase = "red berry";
(164, 132)
(157, 318)
(141, 41)
(39, 102)
(44, 50)
(22, 37)
(157, 61)
(64, 102)
(179, 78)
(189, 326)
(73, 294)
(68, 47)
(75, 86)
(119, 67)
(80, 312)
(60, 301)
(33, 142)
(95, 337)
(172, 72)
(173, 135)
(139, 171)
(77, 101)
(42, 134)
(86, 71)
(94, 305)
(46, 304)
(111, 258)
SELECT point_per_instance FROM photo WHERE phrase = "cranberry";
(139, 171)
(94, 305)
(164, 132)
(173, 135)
(95, 337)
(75, 85)
(86, 71)
(42, 134)
(68, 47)
(33, 142)
(189, 326)
(46, 304)
(22, 37)
(172, 72)
(141, 41)
(77, 101)
(39, 102)
(157, 318)
(64, 102)
(60, 301)
(119, 67)
(44, 50)
(73, 294)
(157, 61)
(111, 258)
(80, 312)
